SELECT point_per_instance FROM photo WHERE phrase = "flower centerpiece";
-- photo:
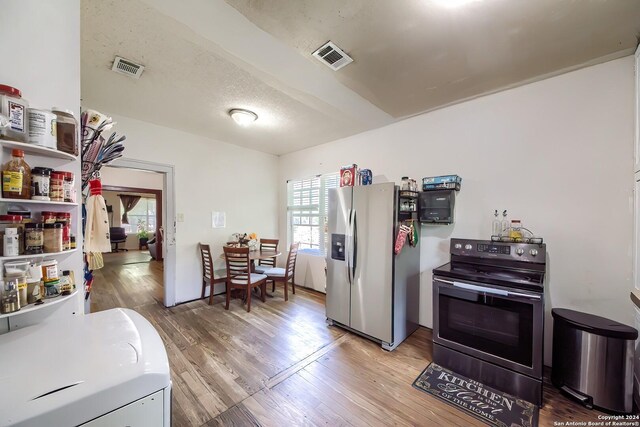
(246, 240)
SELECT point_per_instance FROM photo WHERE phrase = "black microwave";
(436, 206)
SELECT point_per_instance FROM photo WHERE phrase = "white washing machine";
(102, 369)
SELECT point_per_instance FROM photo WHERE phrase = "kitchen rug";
(484, 403)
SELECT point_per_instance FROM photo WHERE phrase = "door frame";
(168, 219)
(159, 210)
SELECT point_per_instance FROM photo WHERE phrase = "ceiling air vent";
(332, 56)
(126, 67)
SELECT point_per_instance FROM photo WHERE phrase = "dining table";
(257, 256)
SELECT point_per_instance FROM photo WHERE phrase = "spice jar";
(50, 271)
(67, 130)
(10, 301)
(48, 217)
(72, 242)
(40, 180)
(56, 189)
(66, 284)
(13, 107)
(33, 238)
(67, 187)
(52, 238)
(16, 177)
(9, 221)
(66, 235)
(24, 213)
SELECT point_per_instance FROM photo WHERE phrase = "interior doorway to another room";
(137, 198)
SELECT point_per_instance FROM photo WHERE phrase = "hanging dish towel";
(96, 233)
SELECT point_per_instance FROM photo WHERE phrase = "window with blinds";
(307, 208)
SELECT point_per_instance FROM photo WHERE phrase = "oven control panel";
(493, 248)
(527, 252)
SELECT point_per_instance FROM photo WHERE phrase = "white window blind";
(143, 214)
(307, 207)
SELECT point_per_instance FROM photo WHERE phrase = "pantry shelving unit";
(60, 306)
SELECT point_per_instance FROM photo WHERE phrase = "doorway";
(150, 207)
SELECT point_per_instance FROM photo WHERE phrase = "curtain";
(128, 202)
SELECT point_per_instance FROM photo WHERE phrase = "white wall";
(123, 177)
(209, 176)
(557, 154)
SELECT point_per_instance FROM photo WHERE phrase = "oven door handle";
(481, 289)
(493, 291)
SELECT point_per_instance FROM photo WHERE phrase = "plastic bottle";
(16, 177)
(11, 243)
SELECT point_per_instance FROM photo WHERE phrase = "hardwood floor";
(281, 365)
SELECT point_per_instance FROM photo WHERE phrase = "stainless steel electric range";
(488, 314)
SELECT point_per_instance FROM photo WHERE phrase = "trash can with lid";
(593, 359)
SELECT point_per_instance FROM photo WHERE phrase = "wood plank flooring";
(281, 365)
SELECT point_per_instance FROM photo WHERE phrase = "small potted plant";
(143, 234)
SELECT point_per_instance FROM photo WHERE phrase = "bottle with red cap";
(16, 177)
(13, 114)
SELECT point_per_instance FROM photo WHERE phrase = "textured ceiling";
(204, 57)
(412, 56)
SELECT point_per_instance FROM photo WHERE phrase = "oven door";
(496, 324)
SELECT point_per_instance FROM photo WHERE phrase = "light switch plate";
(180, 217)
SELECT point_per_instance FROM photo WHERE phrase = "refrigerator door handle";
(348, 248)
(354, 250)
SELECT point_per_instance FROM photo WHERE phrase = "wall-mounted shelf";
(36, 202)
(47, 303)
(30, 256)
(37, 149)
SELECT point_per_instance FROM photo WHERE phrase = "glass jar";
(52, 238)
(16, 177)
(33, 238)
(515, 232)
(14, 107)
(404, 186)
(10, 300)
(66, 284)
(67, 130)
(9, 221)
(67, 187)
(40, 181)
(72, 242)
(56, 189)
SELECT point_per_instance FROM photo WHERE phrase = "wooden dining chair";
(239, 275)
(267, 263)
(208, 276)
(283, 275)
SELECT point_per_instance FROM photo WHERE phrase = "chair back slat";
(207, 263)
(238, 263)
(290, 267)
(268, 245)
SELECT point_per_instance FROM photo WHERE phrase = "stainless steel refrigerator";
(370, 290)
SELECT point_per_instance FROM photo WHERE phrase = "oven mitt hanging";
(401, 238)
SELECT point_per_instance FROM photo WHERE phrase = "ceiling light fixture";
(243, 117)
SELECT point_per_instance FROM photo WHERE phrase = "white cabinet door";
(637, 112)
(146, 412)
